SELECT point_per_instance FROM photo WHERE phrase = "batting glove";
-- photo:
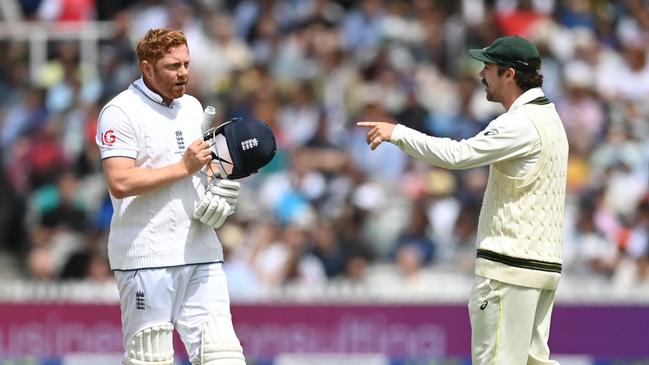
(212, 210)
(228, 190)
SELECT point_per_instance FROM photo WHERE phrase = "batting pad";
(152, 346)
(220, 345)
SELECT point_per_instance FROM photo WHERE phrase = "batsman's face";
(169, 76)
(492, 81)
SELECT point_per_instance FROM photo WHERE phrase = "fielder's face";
(168, 77)
(492, 81)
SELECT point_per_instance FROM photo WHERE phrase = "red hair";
(156, 42)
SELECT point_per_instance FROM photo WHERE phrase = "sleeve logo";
(491, 132)
(108, 137)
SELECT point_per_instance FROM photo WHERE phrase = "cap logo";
(249, 143)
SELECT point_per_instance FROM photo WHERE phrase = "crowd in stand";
(327, 207)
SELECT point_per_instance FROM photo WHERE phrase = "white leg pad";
(152, 346)
(220, 345)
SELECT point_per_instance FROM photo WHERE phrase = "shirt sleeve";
(507, 137)
(115, 134)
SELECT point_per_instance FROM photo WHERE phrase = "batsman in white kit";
(171, 185)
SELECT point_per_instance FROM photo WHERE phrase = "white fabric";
(155, 229)
(509, 137)
(152, 346)
(509, 324)
(185, 296)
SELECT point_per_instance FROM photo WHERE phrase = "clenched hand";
(196, 156)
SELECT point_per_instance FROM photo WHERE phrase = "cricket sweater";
(520, 230)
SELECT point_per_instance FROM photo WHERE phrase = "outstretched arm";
(501, 140)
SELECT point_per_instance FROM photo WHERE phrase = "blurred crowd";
(327, 208)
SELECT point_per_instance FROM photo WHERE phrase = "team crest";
(180, 140)
(139, 300)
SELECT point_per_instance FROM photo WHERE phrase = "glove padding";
(212, 210)
(228, 190)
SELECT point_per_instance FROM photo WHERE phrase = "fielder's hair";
(156, 42)
(526, 79)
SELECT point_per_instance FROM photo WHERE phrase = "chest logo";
(180, 140)
(491, 132)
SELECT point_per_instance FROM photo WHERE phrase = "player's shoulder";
(122, 100)
(115, 110)
(513, 122)
(517, 115)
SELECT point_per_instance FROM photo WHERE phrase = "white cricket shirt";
(155, 229)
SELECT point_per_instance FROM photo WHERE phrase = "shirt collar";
(140, 86)
(526, 97)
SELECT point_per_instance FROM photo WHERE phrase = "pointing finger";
(367, 124)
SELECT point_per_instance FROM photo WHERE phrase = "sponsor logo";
(491, 132)
(484, 305)
(108, 137)
(139, 300)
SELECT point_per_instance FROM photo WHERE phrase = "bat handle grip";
(208, 117)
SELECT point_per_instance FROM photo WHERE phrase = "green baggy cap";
(512, 51)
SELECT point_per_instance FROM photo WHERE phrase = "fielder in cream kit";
(520, 231)
(162, 244)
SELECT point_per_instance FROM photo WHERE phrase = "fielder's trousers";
(510, 324)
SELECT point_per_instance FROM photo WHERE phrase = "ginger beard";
(168, 77)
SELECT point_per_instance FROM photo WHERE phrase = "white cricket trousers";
(182, 295)
(510, 324)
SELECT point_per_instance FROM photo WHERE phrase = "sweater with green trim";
(520, 231)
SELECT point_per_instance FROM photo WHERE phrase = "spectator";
(328, 248)
(587, 251)
(417, 234)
